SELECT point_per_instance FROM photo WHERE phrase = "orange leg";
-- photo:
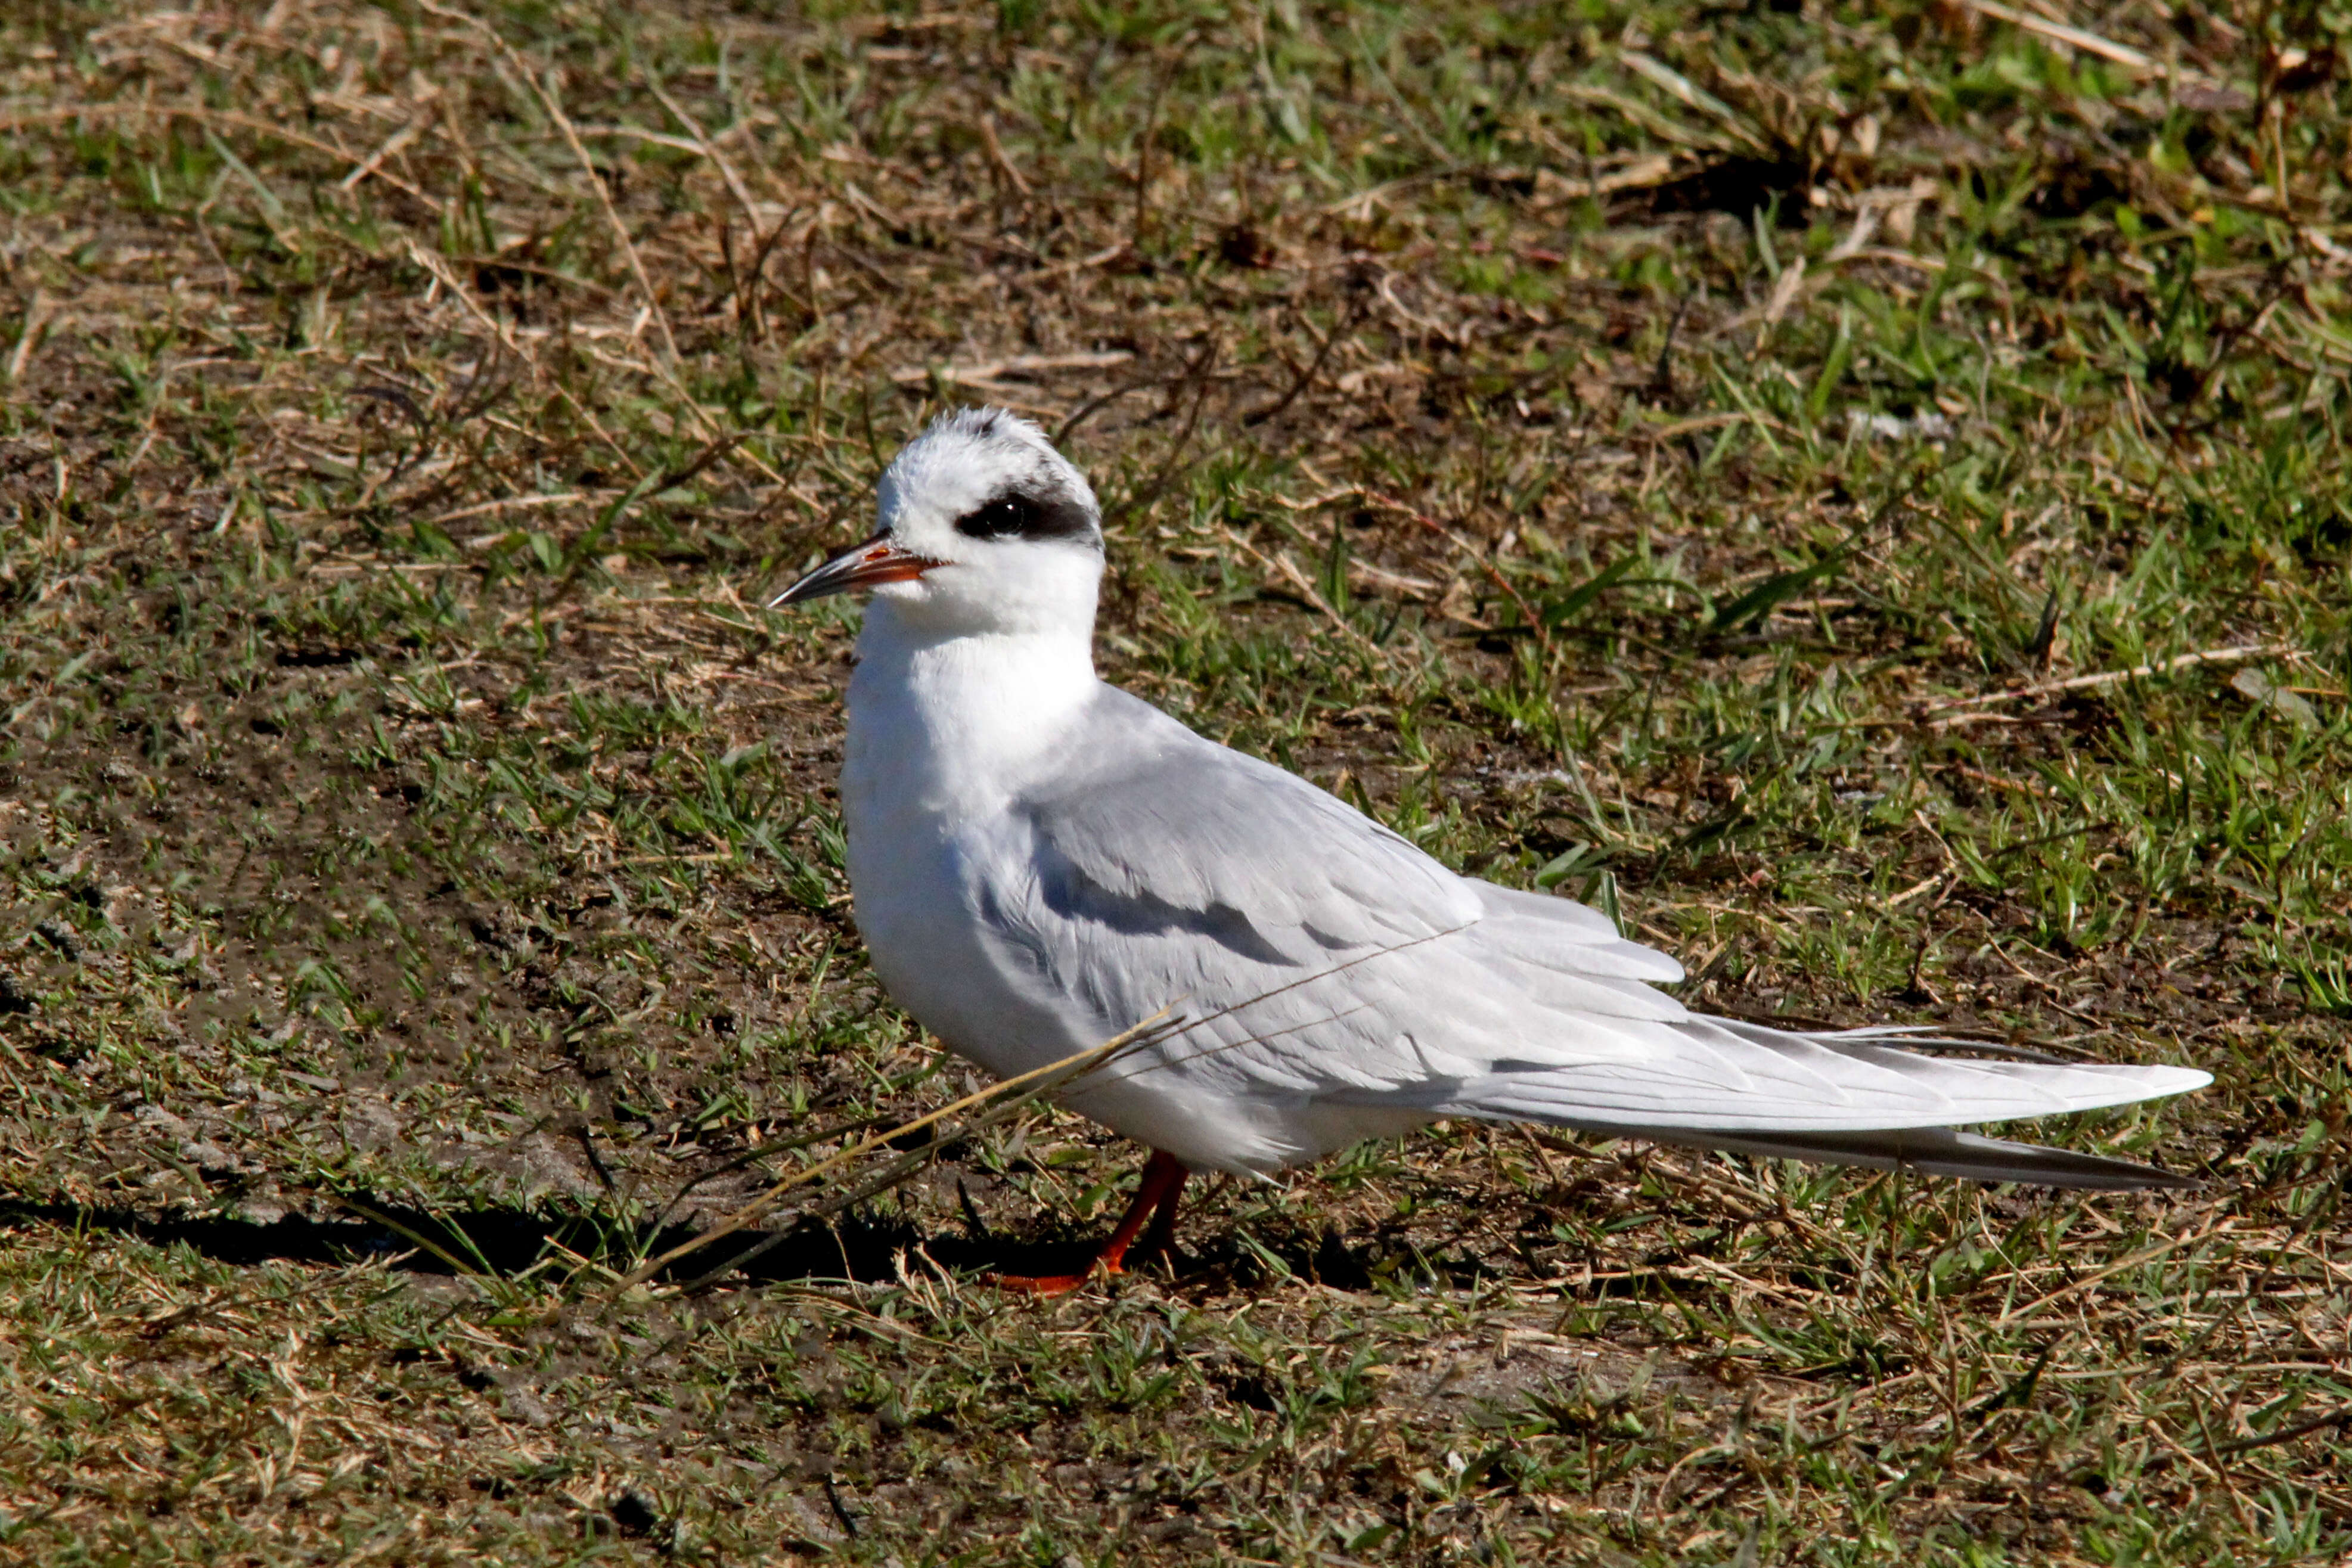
(1156, 1197)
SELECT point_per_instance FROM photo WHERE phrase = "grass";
(1856, 492)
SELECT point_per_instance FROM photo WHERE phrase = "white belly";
(907, 877)
(927, 786)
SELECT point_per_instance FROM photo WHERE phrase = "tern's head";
(984, 528)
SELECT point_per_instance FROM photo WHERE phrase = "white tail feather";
(1877, 1098)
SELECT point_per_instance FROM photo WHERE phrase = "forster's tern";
(1040, 861)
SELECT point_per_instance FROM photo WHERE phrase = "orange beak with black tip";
(863, 565)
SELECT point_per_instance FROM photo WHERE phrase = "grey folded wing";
(1324, 957)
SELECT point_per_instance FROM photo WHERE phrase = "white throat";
(950, 721)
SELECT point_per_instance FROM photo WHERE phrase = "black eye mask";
(1016, 515)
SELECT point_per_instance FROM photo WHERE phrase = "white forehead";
(970, 457)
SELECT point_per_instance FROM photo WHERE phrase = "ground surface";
(1857, 493)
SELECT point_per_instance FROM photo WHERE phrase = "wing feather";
(1329, 964)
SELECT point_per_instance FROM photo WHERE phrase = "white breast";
(942, 733)
(943, 738)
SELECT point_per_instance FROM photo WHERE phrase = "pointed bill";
(863, 565)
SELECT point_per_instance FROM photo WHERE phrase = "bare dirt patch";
(1853, 496)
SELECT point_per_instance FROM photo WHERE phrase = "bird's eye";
(1007, 517)
(1022, 515)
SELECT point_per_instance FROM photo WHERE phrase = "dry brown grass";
(1857, 493)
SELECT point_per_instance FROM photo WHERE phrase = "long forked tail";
(1937, 1151)
(1880, 1098)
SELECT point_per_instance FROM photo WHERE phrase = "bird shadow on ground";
(505, 1242)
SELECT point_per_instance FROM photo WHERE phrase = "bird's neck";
(961, 715)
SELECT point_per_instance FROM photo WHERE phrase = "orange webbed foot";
(1043, 1284)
